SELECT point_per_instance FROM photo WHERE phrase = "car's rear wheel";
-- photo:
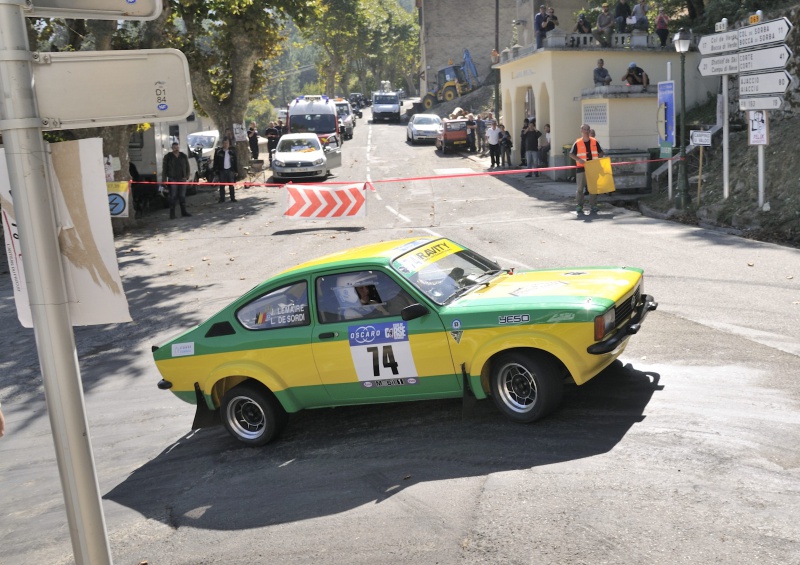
(252, 415)
(525, 387)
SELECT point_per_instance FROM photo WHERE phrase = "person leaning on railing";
(605, 27)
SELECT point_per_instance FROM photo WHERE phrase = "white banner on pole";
(86, 241)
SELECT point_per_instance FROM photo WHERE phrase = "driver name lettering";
(514, 319)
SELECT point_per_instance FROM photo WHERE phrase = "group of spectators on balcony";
(622, 20)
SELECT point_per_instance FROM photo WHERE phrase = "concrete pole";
(726, 134)
(21, 125)
(761, 177)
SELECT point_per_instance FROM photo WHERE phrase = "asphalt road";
(687, 450)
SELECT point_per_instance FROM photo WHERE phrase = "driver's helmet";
(345, 289)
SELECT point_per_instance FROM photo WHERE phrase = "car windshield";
(426, 120)
(312, 123)
(385, 99)
(203, 140)
(456, 126)
(298, 145)
(442, 269)
(343, 109)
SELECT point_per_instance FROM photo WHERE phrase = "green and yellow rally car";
(402, 320)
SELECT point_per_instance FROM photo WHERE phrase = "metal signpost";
(748, 50)
(700, 139)
(24, 83)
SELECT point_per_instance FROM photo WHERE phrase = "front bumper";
(647, 304)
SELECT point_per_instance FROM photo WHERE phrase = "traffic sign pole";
(20, 125)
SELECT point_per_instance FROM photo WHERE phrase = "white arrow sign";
(765, 83)
(772, 31)
(726, 64)
(95, 9)
(107, 88)
(700, 138)
(761, 103)
(761, 59)
(718, 43)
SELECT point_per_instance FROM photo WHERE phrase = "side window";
(286, 307)
(359, 295)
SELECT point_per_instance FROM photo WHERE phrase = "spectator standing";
(493, 138)
(640, 13)
(174, 172)
(585, 149)
(252, 140)
(550, 22)
(635, 76)
(582, 25)
(532, 136)
(2, 423)
(538, 26)
(622, 11)
(605, 27)
(225, 167)
(471, 126)
(662, 27)
(523, 160)
(601, 76)
(544, 147)
(272, 133)
(505, 146)
(480, 133)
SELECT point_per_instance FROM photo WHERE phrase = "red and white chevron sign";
(321, 201)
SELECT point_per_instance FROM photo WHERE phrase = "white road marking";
(513, 262)
(398, 214)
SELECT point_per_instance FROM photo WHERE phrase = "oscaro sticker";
(162, 107)
(456, 324)
(182, 349)
(514, 319)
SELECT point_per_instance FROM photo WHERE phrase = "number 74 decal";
(381, 351)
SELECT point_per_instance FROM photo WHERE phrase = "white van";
(314, 113)
(205, 143)
(386, 105)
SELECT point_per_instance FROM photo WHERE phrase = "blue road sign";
(665, 119)
(116, 204)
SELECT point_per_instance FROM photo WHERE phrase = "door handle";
(328, 335)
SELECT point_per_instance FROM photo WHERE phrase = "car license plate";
(298, 170)
(459, 142)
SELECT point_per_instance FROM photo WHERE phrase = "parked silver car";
(423, 127)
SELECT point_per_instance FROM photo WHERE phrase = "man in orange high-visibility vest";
(585, 149)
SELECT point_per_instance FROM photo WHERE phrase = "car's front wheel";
(252, 415)
(525, 387)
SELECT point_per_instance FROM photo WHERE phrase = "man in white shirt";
(493, 137)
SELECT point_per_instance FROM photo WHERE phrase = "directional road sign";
(718, 43)
(107, 88)
(762, 59)
(95, 9)
(700, 138)
(764, 33)
(764, 83)
(726, 64)
(761, 103)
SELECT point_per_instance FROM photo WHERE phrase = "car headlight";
(319, 161)
(604, 323)
(278, 162)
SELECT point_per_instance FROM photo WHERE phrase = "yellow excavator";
(452, 81)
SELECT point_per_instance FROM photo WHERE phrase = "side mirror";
(413, 311)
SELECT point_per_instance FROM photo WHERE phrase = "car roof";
(299, 136)
(375, 253)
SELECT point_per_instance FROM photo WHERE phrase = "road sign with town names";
(718, 43)
(764, 83)
(761, 103)
(726, 64)
(107, 88)
(700, 138)
(95, 9)
(764, 33)
(762, 59)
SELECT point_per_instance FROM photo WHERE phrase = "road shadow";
(334, 460)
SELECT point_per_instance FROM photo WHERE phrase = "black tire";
(525, 387)
(428, 102)
(450, 94)
(252, 415)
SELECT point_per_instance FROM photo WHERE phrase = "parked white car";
(423, 127)
(300, 155)
(205, 143)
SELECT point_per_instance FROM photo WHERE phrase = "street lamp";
(682, 41)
